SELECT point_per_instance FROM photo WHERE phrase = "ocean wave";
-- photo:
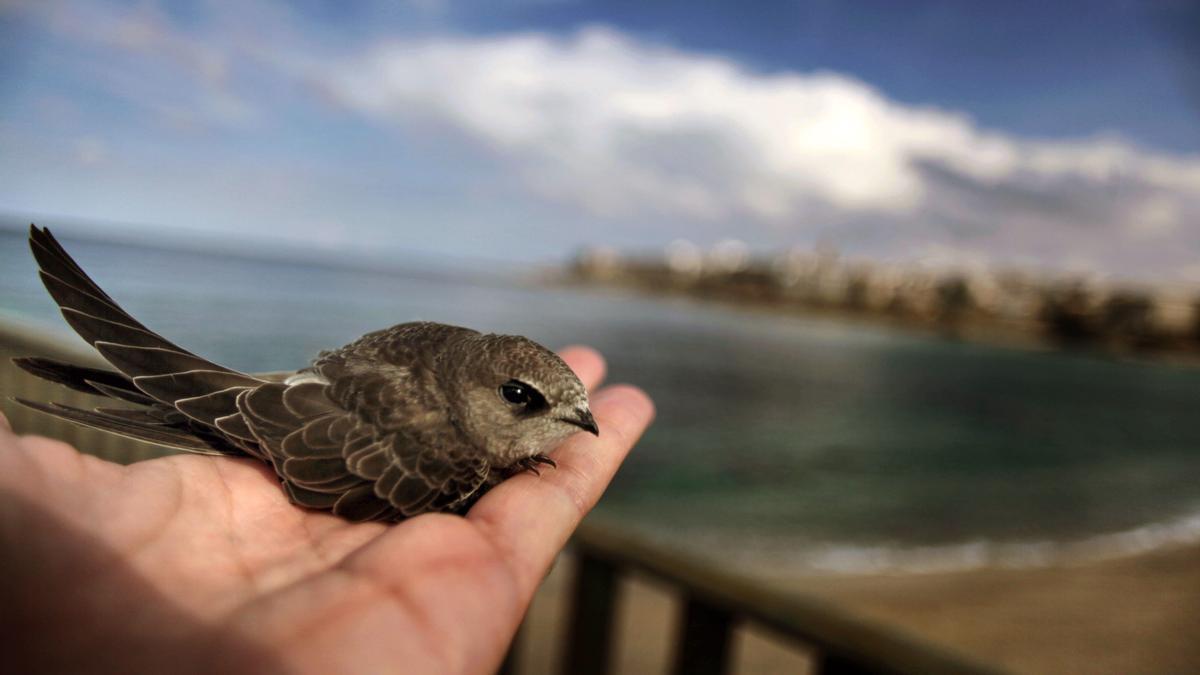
(980, 554)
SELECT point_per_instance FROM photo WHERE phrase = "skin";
(192, 563)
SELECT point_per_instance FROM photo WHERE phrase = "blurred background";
(915, 286)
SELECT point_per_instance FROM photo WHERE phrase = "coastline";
(1026, 309)
(1134, 614)
(1014, 335)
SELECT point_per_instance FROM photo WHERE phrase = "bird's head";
(517, 398)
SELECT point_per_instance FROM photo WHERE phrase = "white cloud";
(180, 77)
(90, 151)
(621, 127)
(658, 142)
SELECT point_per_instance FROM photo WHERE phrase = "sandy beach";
(1136, 614)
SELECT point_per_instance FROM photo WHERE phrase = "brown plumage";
(414, 418)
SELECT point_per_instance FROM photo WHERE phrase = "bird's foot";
(532, 463)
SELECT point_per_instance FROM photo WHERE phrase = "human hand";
(192, 563)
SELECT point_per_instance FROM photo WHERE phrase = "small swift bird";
(410, 419)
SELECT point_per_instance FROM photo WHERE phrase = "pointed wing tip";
(38, 234)
(36, 405)
(30, 364)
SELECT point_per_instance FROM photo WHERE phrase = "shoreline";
(776, 557)
(1157, 537)
(1026, 335)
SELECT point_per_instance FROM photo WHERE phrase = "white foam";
(775, 556)
(979, 554)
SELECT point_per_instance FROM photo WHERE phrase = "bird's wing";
(356, 442)
(152, 371)
(338, 459)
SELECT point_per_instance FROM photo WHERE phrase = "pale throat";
(538, 442)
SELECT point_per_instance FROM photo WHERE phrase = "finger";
(5, 427)
(529, 518)
(587, 363)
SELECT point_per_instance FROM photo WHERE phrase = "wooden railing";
(713, 600)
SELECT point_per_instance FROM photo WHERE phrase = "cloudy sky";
(1059, 134)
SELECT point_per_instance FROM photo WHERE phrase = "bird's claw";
(532, 463)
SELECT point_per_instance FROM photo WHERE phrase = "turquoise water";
(797, 440)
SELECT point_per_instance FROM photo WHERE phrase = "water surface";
(795, 440)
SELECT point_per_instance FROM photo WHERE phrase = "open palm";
(201, 563)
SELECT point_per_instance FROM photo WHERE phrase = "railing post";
(703, 644)
(589, 643)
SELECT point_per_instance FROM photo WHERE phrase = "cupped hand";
(191, 563)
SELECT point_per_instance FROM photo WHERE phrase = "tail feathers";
(172, 436)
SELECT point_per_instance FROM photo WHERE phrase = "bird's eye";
(516, 393)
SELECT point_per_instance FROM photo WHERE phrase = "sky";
(1061, 135)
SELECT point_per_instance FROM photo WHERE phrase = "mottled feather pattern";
(368, 431)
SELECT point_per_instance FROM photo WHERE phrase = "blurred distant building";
(729, 255)
(947, 294)
(684, 258)
(600, 263)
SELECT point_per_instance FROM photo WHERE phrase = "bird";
(416, 418)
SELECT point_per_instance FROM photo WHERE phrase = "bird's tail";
(183, 395)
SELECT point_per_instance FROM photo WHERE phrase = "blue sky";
(1058, 134)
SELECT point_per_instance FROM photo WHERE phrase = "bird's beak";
(584, 420)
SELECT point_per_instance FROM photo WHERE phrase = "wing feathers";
(307, 399)
(132, 395)
(319, 434)
(151, 416)
(98, 318)
(95, 329)
(154, 434)
(67, 295)
(209, 407)
(314, 470)
(79, 378)
(361, 504)
(329, 454)
(138, 361)
(265, 407)
(406, 492)
(190, 383)
(311, 498)
(235, 425)
(296, 446)
(51, 255)
(369, 461)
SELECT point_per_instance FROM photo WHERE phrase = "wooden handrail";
(715, 598)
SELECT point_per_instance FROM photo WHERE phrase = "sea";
(783, 444)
